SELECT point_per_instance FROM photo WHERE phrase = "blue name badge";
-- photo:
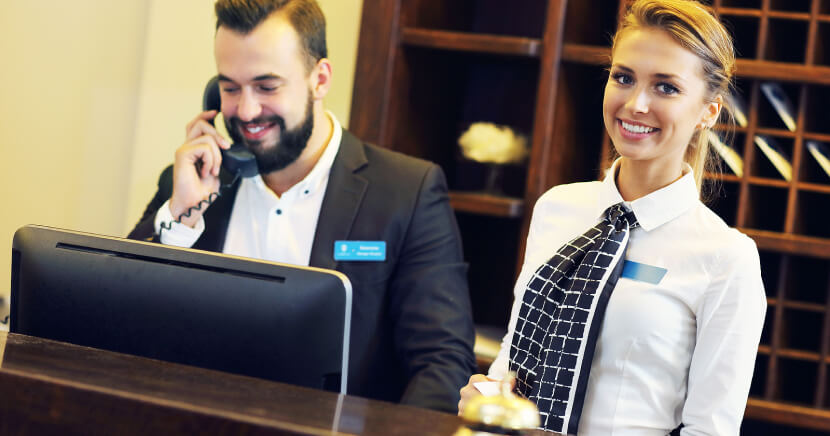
(367, 251)
(642, 272)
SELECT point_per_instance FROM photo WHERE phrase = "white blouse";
(682, 350)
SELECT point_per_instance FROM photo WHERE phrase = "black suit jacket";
(412, 330)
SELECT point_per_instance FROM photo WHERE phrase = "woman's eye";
(622, 78)
(668, 89)
(229, 90)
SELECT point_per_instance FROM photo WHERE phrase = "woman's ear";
(711, 112)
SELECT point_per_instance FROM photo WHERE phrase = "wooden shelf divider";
(786, 414)
(739, 12)
(744, 12)
(823, 137)
(486, 204)
(790, 244)
(747, 68)
(807, 356)
(783, 71)
(725, 177)
(471, 42)
(814, 187)
(585, 54)
(764, 181)
(781, 133)
(799, 305)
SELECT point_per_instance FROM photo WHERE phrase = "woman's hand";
(470, 391)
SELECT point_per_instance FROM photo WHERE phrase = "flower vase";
(494, 179)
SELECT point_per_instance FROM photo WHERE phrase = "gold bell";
(499, 414)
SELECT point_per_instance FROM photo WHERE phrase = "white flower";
(489, 143)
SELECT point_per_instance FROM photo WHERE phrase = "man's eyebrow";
(269, 76)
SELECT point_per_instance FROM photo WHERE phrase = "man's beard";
(289, 147)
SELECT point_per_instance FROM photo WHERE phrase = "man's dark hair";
(305, 16)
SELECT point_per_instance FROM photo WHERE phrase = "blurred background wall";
(95, 96)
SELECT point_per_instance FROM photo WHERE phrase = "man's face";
(266, 92)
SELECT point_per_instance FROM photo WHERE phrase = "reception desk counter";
(49, 387)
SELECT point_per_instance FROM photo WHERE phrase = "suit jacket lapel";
(341, 202)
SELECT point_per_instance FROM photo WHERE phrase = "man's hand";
(196, 167)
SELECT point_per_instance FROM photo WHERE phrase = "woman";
(650, 320)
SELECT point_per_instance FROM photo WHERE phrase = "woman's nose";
(638, 101)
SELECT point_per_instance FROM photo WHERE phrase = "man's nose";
(249, 107)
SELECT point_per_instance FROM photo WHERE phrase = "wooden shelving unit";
(427, 69)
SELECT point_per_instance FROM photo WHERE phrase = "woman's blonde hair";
(694, 27)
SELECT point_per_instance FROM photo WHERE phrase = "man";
(412, 333)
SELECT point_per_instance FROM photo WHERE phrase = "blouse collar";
(658, 207)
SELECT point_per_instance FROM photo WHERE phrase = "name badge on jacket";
(367, 251)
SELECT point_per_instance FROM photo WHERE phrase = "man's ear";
(712, 111)
(320, 79)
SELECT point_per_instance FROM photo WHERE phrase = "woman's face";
(655, 98)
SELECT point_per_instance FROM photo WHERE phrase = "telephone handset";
(237, 160)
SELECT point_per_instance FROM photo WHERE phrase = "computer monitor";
(245, 316)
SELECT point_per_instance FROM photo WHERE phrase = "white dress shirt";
(682, 350)
(266, 226)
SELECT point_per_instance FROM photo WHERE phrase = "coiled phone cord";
(198, 206)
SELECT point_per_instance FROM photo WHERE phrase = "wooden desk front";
(49, 387)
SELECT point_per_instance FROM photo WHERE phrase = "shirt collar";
(658, 207)
(318, 175)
